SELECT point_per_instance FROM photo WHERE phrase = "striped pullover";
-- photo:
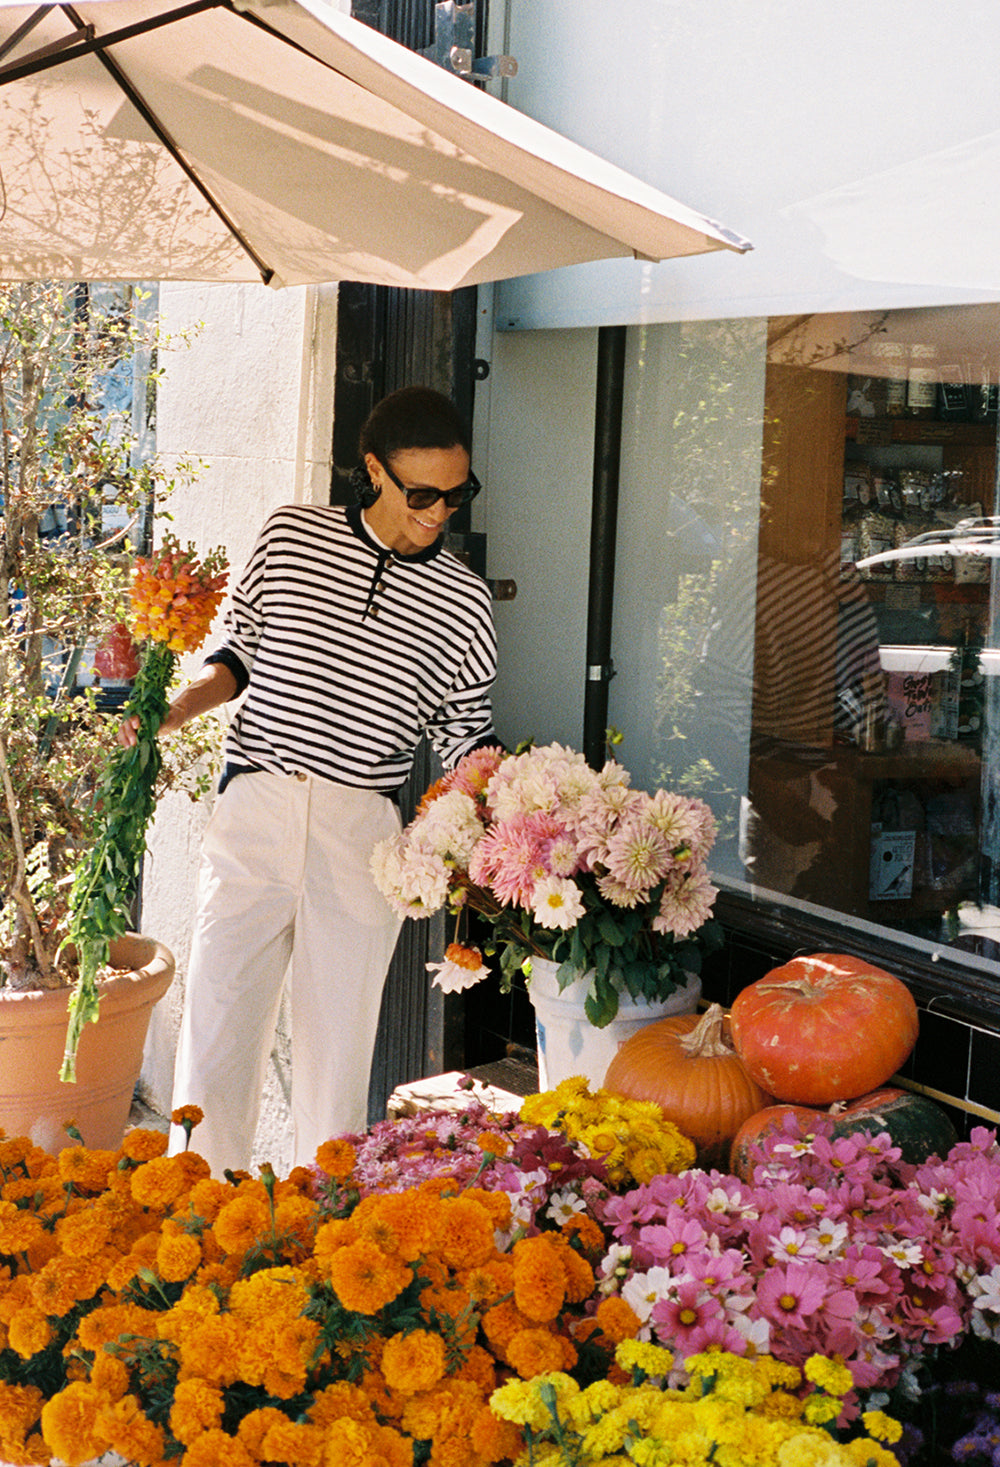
(348, 652)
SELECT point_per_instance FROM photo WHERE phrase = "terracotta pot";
(568, 1044)
(33, 1100)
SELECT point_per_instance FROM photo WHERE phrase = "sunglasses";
(422, 497)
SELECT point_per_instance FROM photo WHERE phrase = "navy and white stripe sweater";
(349, 652)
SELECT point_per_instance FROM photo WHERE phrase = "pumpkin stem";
(707, 1040)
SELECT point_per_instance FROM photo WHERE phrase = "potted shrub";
(79, 497)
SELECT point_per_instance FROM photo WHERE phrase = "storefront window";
(825, 618)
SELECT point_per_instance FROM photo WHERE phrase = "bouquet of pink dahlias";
(564, 862)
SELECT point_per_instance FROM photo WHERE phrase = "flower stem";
(106, 879)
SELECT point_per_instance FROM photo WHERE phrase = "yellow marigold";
(126, 1428)
(535, 1352)
(87, 1170)
(413, 1362)
(178, 1255)
(143, 1145)
(466, 1237)
(243, 1222)
(831, 1376)
(69, 1422)
(337, 1158)
(864, 1453)
(29, 1332)
(365, 1279)
(820, 1410)
(216, 1448)
(653, 1360)
(19, 1228)
(539, 1278)
(884, 1428)
(159, 1182)
(338, 1400)
(521, 1401)
(196, 1407)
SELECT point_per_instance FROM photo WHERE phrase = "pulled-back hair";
(413, 417)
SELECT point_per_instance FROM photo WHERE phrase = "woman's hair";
(413, 417)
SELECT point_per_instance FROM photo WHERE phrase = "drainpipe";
(603, 532)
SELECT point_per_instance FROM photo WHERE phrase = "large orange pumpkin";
(686, 1064)
(824, 1028)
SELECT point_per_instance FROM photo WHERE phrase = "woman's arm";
(213, 686)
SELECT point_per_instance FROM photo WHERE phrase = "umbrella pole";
(610, 395)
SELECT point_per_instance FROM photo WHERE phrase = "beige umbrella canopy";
(287, 142)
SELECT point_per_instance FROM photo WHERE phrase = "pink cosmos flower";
(791, 1295)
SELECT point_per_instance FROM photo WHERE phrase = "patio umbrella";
(287, 142)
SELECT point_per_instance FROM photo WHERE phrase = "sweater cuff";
(230, 660)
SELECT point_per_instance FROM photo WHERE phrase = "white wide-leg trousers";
(284, 885)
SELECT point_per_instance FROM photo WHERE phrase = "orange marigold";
(294, 1443)
(535, 1352)
(588, 1233)
(196, 1407)
(19, 1228)
(467, 1233)
(144, 1145)
(617, 1319)
(244, 1221)
(29, 1332)
(216, 1448)
(413, 1362)
(338, 1400)
(365, 1279)
(494, 1440)
(539, 1277)
(159, 1182)
(69, 1422)
(126, 1428)
(337, 1158)
(87, 1169)
(178, 1255)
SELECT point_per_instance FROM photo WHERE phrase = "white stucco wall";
(252, 397)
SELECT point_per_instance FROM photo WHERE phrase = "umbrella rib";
(153, 122)
(24, 29)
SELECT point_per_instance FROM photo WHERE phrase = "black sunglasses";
(423, 497)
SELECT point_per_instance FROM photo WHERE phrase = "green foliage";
(70, 464)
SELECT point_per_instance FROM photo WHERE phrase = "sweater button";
(301, 774)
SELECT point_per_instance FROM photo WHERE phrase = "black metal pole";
(603, 534)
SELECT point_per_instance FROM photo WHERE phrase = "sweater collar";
(361, 531)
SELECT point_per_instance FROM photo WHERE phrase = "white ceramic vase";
(569, 1044)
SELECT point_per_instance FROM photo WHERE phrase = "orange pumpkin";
(824, 1028)
(687, 1065)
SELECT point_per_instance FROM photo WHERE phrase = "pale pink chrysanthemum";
(677, 818)
(556, 903)
(617, 893)
(413, 882)
(450, 827)
(638, 855)
(686, 903)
